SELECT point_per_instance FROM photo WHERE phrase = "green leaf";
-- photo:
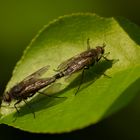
(99, 95)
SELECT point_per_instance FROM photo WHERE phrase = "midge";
(81, 61)
(28, 87)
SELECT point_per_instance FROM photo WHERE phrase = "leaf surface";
(99, 95)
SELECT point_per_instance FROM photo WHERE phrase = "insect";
(81, 61)
(28, 87)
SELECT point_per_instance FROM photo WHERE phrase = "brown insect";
(81, 61)
(32, 83)
(28, 87)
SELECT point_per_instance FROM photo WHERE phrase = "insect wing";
(52, 89)
(36, 74)
(66, 63)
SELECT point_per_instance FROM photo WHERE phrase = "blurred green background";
(20, 22)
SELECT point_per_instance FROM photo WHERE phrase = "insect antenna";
(104, 45)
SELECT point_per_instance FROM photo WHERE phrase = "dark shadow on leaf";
(38, 103)
(132, 29)
(90, 75)
(127, 96)
(43, 102)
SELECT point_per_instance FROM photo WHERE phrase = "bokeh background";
(20, 21)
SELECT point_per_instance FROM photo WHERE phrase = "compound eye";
(6, 97)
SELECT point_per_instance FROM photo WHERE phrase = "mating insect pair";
(32, 84)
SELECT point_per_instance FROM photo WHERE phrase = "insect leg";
(106, 75)
(105, 56)
(49, 95)
(16, 106)
(29, 108)
(88, 44)
(31, 95)
(81, 81)
(16, 109)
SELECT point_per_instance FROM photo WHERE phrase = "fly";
(81, 61)
(28, 87)
(32, 83)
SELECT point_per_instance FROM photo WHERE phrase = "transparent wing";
(66, 63)
(52, 89)
(36, 74)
